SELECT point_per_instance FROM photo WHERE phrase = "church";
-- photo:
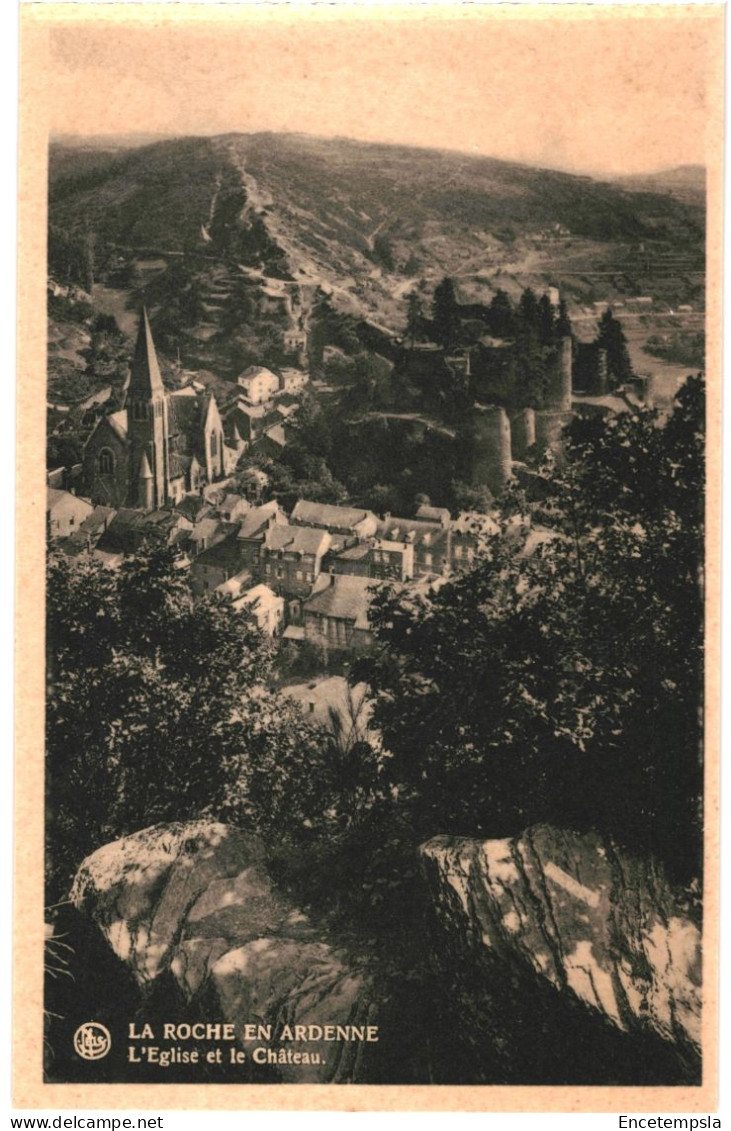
(160, 445)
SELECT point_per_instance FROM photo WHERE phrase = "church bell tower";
(147, 425)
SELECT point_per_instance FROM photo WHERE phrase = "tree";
(445, 314)
(612, 339)
(414, 316)
(501, 315)
(546, 321)
(563, 684)
(563, 322)
(155, 707)
(529, 313)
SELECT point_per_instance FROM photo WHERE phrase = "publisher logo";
(92, 1041)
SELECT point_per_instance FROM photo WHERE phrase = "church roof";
(145, 379)
(117, 421)
(145, 471)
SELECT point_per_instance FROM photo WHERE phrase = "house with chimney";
(335, 616)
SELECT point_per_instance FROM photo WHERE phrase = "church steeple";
(145, 379)
(147, 426)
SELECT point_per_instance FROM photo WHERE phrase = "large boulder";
(580, 916)
(195, 902)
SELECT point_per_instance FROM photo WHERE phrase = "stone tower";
(492, 460)
(147, 424)
(551, 420)
(523, 432)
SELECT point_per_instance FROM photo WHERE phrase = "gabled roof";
(327, 514)
(193, 506)
(277, 435)
(297, 540)
(55, 496)
(231, 501)
(256, 519)
(145, 380)
(226, 554)
(99, 517)
(254, 371)
(344, 596)
(206, 528)
(412, 530)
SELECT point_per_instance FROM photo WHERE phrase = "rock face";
(585, 919)
(551, 958)
(195, 902)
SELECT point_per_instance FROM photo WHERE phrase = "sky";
(597, 95)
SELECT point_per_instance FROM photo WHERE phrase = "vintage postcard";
(370, 375)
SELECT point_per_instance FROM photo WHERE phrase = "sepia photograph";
(370, 696)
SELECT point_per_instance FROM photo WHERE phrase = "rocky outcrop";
(195, 902)
(551, 958)
(601, 929)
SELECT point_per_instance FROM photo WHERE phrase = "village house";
(244, 420)
(132, 529)
(220, 563)
(206, 533)
(338, 520)
(235, 586)
(193, 507)
(336, 614)
(65, 512)
(293, 380)
(233, 507)
(377, 558)
(252, 530)
(258, 384)
(430, 540)
(272, 443)
(291, 558)
(470, 533)
(263, 607)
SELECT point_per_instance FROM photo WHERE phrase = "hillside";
(365, 222)
(685, 182)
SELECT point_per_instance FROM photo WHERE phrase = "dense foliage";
(562, 678)
(157, 710)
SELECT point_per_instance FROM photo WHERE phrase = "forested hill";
(369, 219)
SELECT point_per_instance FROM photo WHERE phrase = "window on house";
(427, 559)
(139, 410)
(106, 462)
(214, 445)
(299, 575)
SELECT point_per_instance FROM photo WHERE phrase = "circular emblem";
(92, 1040)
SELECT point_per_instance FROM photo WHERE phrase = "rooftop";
(343, 596)
(328, 514)
(297, 539)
